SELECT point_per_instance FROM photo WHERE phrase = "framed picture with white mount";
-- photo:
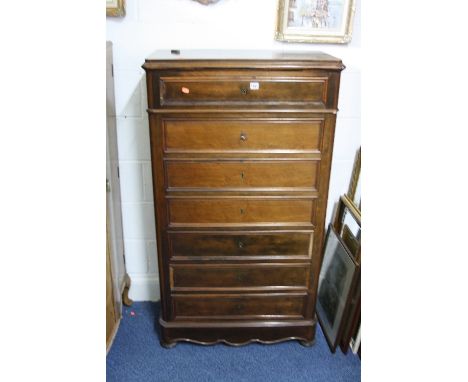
(347, 223)
(315, 21)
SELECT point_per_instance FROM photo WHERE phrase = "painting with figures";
(326, 21)
(316, 14)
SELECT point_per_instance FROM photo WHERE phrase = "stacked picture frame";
(339, 293)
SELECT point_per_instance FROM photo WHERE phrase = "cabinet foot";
(127, 301)
(168, 345)
(307, 344)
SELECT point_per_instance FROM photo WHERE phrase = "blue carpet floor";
(137, 356)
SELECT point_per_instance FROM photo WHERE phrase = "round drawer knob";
(240, 244)
(243, 137)
(243, 91)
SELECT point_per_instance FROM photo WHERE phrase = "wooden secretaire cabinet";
(241, 147)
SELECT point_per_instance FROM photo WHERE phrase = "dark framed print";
(336, 281)
(348, 225)
(352, 316)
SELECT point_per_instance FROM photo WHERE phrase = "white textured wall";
(183, 24)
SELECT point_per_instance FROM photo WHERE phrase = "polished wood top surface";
(241, 58)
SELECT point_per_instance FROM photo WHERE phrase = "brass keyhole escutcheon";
(242, 175)
(242, 211)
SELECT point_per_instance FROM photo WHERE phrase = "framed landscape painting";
(319, 21)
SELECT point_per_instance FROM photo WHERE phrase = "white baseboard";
(144, 287)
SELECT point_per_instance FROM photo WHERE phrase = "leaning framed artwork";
(316, 21)
(348, 226)
(336, 281)
(354, 190)
(115, 8)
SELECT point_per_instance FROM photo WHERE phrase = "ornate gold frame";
(281, 33)
(115, 8)
(343, 205)
(207, 2)
(355, 176)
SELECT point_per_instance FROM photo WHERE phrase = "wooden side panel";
(321, 207)
(111, 317)
(113, 195)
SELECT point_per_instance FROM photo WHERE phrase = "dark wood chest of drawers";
(241, 147)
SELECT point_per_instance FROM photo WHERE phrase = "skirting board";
(144, 287)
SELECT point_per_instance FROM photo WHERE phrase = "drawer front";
(251, 90)
(240, 211)
(186, 244)
(249, 276)
(240, 306)
(243, 135)
(237, 175)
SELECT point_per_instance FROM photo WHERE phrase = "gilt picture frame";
(115, 8)
(347, 222)
(354, 189)
(315, 21)
(207, 2)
